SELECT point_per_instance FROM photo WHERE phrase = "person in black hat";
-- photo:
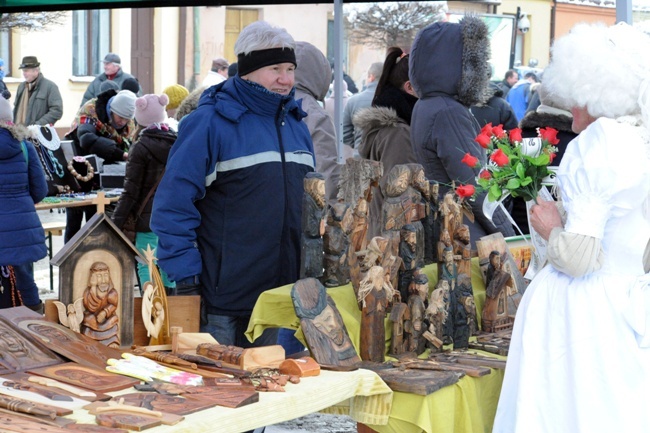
(38, 100)
(113, 72)
(228, 209)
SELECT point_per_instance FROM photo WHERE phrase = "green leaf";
(513, 184)
(521, 171)
(541, 160)
(494, 193)
(526, 181)
(484, 183)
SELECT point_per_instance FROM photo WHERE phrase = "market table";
(468, 406)
(360, 394)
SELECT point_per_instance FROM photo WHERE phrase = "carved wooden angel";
(155, 314)
(71, 315)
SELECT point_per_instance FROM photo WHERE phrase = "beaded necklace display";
(8, 274)
(49, 160)
(88, 176)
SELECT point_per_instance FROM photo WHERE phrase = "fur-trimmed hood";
(534, 120)
(369, 119)
(451, 59)
(19, 132)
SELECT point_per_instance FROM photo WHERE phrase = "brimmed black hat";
(29, 62)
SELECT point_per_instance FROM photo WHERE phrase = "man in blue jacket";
(228, 209)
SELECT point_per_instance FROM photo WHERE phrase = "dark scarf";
(398, 100)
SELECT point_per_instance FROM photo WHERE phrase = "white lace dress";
(579, 359)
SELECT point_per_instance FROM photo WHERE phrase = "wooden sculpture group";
(417, 227)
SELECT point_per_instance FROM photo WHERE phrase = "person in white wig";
(579, 357)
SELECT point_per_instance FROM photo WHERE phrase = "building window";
(91, 35)
(5, 51)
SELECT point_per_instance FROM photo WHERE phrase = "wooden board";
(91, 428)
(19, 424)
(187, 341)
(92, 379)
(127, 420)
(22, 378)
(167, 418)
(165, 403)
(222, 396)
(421, 382)
(72, 345)
(250, 359)
(21, 351)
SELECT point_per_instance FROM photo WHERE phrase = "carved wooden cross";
(101, 201)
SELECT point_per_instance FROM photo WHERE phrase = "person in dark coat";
(22, 239)
(496, 110)
(385, 127)
(144, 169)
(550, 113)
(112, 72)
(38, 100)
(442, 128)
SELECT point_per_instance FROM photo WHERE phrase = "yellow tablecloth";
(466, 407)
(360, 394)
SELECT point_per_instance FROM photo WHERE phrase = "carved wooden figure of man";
(463, 250)
(419, 191)
(375, 295)
(449, 273)
(436, 314)
(313, 226)
(100, 300)
(336, 243)
(398, 208)
(418, 291)
(407, 252)
(431, 224)
(495, 312)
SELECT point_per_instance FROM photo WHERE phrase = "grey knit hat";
(107, 85)
(123, 104)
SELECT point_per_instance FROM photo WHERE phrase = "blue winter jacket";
(22, 183)
(229, 206)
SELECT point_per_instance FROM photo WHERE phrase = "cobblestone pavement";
(313, 423)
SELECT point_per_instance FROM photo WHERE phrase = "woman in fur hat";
(579, 356)
(385, 127)
(22, 239)
(448, 68)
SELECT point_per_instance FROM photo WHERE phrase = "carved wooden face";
(11, 343)
(327, 323)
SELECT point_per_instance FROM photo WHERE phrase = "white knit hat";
(123, 104)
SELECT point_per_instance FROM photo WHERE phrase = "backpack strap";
(25, 154)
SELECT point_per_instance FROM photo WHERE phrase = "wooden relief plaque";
(85, 377)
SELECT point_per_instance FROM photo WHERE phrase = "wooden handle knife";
(56, 384)
(44, 392)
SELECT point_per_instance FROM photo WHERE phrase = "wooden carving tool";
(56, 384)
(164, 357)
(44, 392)
(16, 405)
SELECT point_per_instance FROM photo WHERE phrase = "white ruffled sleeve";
(600, 176)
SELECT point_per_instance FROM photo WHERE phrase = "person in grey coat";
(113, 72)
(351, 136)
(448, 68)
(38, 100)
(313, 76)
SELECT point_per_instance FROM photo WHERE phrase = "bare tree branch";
(383, 25)
(31, 21)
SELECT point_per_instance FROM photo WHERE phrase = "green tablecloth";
(466, 407)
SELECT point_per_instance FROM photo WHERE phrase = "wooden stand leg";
(362, 428)
(174, 331)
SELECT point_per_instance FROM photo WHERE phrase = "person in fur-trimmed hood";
(551, 113)
(385, 127)
(448, 68)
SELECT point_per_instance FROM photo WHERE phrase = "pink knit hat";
(150, 109)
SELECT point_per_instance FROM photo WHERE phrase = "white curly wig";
(604, 69)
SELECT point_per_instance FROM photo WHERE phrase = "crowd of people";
(214, 183)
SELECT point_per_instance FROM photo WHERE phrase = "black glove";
(188, 286)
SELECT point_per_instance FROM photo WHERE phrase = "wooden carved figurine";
(322, 324)
(377, 253)
(495, 315)
(100, 301)
(155, 314)
(461, 315)
(431, 225)
(375, 295)
(415, 327)
(436, 314)
(313, 226)
(419, 190)
(399, 314)
(449, 273)
(72, 315)
(336, 243)
(408, 254)
(398, 205)
(462, 249)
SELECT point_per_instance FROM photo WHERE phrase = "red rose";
(499, 158)
(549, 134)
(487, 129)
(515, 135)
(498, 131)
(465, 190)
(551, 157)
(483, 140)
(485, 174)
(470, 160)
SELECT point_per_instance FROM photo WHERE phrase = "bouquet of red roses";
(515, 166)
